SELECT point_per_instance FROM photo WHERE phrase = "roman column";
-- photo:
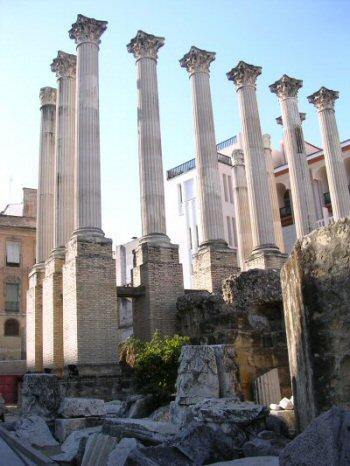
(65, 68)
(45, 207)
(197, 63)
(90, 319)
(273, 193)
(87, 33)
(265, 252)
(241, 203)
(64, 65)
(156, 260)
(145, 48)
(324, 100)
(302, 196)
(44, 228)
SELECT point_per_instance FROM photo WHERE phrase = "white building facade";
(182, 210)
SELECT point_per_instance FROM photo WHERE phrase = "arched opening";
(11, 328)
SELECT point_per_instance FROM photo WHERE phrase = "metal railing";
(226, 143)
(224, 159)
(183, 168)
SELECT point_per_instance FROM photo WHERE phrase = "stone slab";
(34, 430)
(64, 427)
(82, 407)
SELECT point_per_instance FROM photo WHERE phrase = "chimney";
(29, 202)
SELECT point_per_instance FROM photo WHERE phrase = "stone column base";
(89, 303)
(266, 259)
(53, 312)
(212, 264)
(157, 269)
(34, 321)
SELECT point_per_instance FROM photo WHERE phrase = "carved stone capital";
(244, 74)
(286, 87)
(87, 30)
(145, 45)
(64, 65)
(323, 99)
(48, 96)
(237, 157)
(197, 60)
(279, 120)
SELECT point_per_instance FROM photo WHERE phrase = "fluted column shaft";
(257, 181)
(88, 177)
(197, 62)
(273, 193)
(300, 182)
(45, 196)
(206, 160)
(324, 101)
(87, 32)
(150, 149)
(241, 204)
(64, 65)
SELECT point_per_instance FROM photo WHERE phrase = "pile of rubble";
(207, 423)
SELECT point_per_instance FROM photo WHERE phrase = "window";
(197, 235)
(179, 198)
(234, 231)
(229, 179)
(229, 231)
(190, 237)
(12, 297)
(225, 187)
(13, 253)
(11, 328)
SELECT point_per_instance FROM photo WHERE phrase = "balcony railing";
(12, 306)
(227, 143)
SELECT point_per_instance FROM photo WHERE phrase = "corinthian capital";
(237, 157)
(197, 60)
(244, 74)
(64, 65)
(286, 87)
(87, 30)
(145, 45)
(47, 96)
(323, 99)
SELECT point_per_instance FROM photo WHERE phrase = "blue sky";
(306, 39)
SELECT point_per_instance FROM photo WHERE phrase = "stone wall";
(249, 315)
(316, 296)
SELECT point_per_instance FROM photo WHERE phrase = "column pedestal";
(90, 320)
(266, 259)
(53, 312)
(34, 320)
(157, 268)
(212, 264)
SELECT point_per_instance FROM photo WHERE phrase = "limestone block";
(206, 371)
(40, 395)
(316, 294)
(286, 403)
(326, 442)
(71, 446)
(119, 455)
(140, 429)
(64, 427)
(82, 407)
(98, 448)
(33, 429)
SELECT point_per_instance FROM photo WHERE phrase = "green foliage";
(155, 363)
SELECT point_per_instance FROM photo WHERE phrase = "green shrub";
(155, 364)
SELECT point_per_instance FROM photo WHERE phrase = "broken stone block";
(82, 407)
(115, 408)
(161, 414)
(282, 422)
(316, 295)
(64, 427)
(72, 445)
(206, 371)
(325, 442)
(145, 430)
(41, 395)
(266, 443)
(120, 453)
(34, 430)
(160, 455)
(97, 450)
